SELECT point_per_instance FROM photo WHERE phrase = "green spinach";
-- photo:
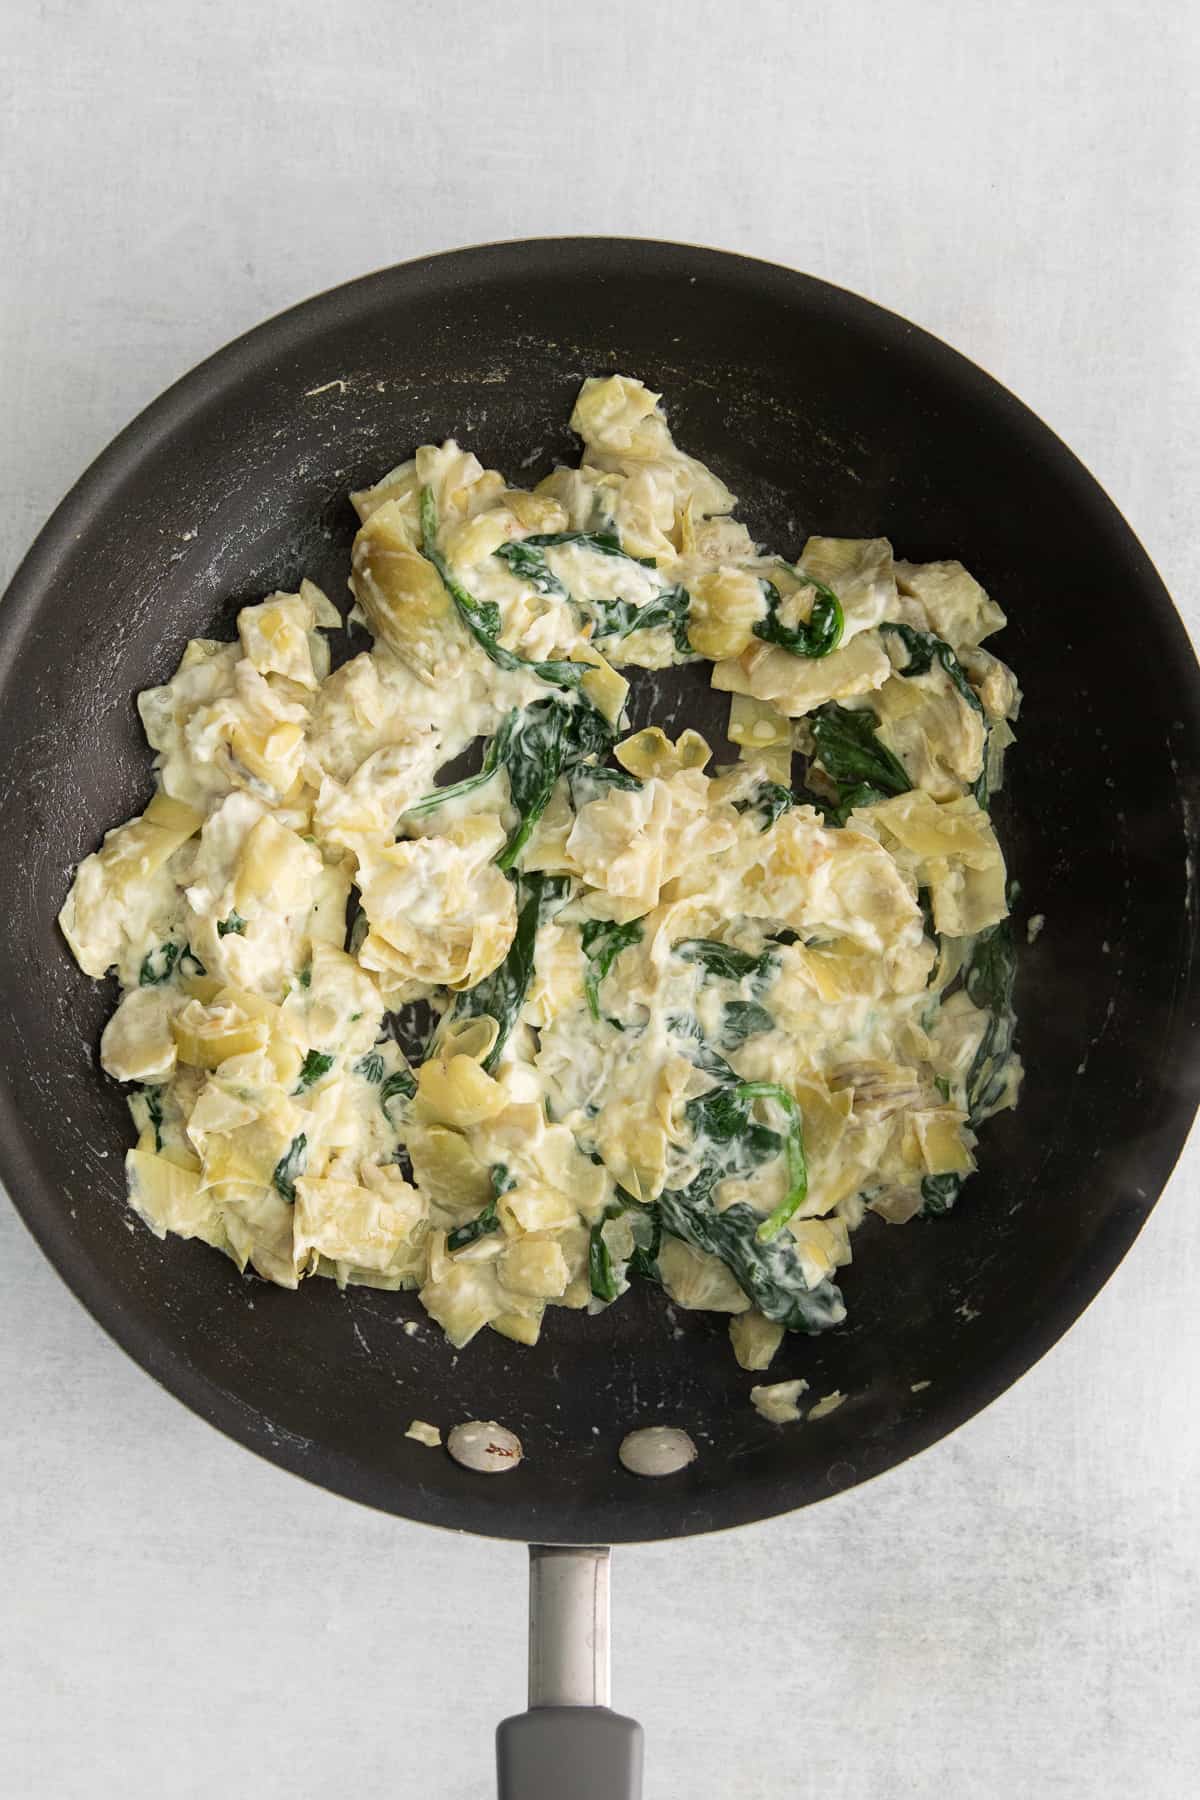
(402, 1083)
(315, 1064)
(534, 745)
(724, 960)
(483, 1223)
(849, 750)
(491, 762)
(488, 1220)
(621, 618)
(607, 543)
(290, 1167)
(938, 1194)
(743, 1019)
(501, 994)
(614, 618)
(771, 799)
(543, 740)
(731, 1141)
(370, 1067)
(603, 1278)
(988, 978)
(823, 630)
(232, 923)
(924, 649)
(647, 1236)
(770, 1273)
(482, 617)
(528, 562)
(595, 781)
(862, 768)
(793, 1147)
(735, 1143)
(157, 965)
(603, 941)
(154, 1109)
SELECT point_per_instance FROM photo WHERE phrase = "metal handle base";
(569, 1745)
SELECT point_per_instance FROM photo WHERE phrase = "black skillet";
(824, 414)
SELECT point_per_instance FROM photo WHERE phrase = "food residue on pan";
(827, 1404)
(777, 1402)
(424, 1433)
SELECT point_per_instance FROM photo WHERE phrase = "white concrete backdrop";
(1016, 1613)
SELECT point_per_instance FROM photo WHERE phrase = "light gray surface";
(1018, 1611)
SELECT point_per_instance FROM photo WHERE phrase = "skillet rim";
(48, 1222)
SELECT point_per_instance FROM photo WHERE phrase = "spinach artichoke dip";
(601, 1010)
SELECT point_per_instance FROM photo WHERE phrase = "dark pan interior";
(824, 414)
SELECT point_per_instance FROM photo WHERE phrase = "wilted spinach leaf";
(488, 1220)
(603, 941)
(769, 1273)
(290, 1167)
(534, 745)
(924, 649)
(528, 562)
(724, 960)
(594, 781)
(771, 799)
(157, 965)
(988, 978)
(743, 1019)
(154, 1109)
(851, 754)
(621, 618)
(316, 1064)
(607, 543)
(482, 617)
(402, 1083)
(501, 994)
(603, 1278)
(823, 630)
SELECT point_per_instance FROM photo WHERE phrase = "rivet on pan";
(657, 1450)
(484, 1446)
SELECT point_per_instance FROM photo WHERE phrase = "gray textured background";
(1016, 1613)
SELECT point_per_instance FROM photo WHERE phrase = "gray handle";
(570, 1745)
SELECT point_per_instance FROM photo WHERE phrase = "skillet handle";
(569, 1742)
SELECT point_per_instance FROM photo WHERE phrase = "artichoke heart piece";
(276, 869)
(403, 597)
(169, 1198)
(206, 1036)
(795, 686)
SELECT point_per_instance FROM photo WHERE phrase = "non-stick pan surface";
(824, 414)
